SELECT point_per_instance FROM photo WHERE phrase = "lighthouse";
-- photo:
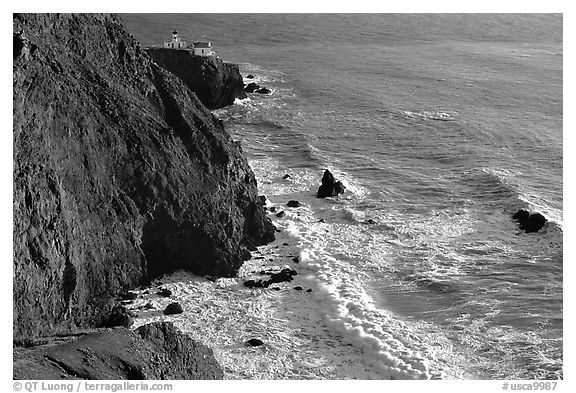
(176, 42)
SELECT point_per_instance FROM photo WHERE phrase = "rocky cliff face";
(120, 175)
(154, 351)
(215, 82)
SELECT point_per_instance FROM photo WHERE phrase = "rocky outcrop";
(529, 222)
(330, 186)
(120, 174)
(216, 83)
(154, 351)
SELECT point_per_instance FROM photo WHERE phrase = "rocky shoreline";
(121, 175)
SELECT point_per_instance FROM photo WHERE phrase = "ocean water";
(441, 127)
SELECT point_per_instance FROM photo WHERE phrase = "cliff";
(154, 351)
(120, 175)
(215, 82)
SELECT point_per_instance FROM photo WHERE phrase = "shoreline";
(224, 314)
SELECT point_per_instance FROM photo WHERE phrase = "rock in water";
(254, 342)
(263, 90)
(251, 87)
(164, 292)
(173, 308)
(330, 186)
(529, 222)
(216, 83)
(120, 175)
(293, 204)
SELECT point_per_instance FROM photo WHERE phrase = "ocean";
(441, 126)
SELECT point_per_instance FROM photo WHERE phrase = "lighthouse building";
(176, 42)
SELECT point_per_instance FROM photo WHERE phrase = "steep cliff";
(215, 82)
(120, 175)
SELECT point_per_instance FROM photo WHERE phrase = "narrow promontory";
(120, 175)
(215, 82)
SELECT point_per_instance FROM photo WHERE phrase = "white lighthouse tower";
(176, 42)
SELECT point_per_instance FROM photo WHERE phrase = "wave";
(432, 115)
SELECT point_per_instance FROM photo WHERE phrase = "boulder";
(251, 87)
(263, 90)
(254, 342)
(128, 295)
(281, 214)
(164, 292)
(293, 204)
(118, 317)
(173, 308)
(330, 186)
(249, 76)
(286, 176)
(529, 222)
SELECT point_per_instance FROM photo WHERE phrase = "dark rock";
(118, 317)
(215, 83)
(164, 292)
(262, 199)
(120, 175)
(149, 306)
(254, 342)
(284, 275)
(285, 244)
(253, 284)
(155, 351)
(369, 221)
(249, 76)
(321, 220)
(298, 288)
(330, 186)
(129, 296)
(173, 308)
(529, 222)
(309, 290)
(286, 176)
(293, 204)
(251, 87)
(263, 90)
(273, 209)
(281, 214)
(296, 259)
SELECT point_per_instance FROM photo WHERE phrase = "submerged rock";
(529, 222)
(330, 186)
(263, 90)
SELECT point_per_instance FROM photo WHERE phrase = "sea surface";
(441, 127)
